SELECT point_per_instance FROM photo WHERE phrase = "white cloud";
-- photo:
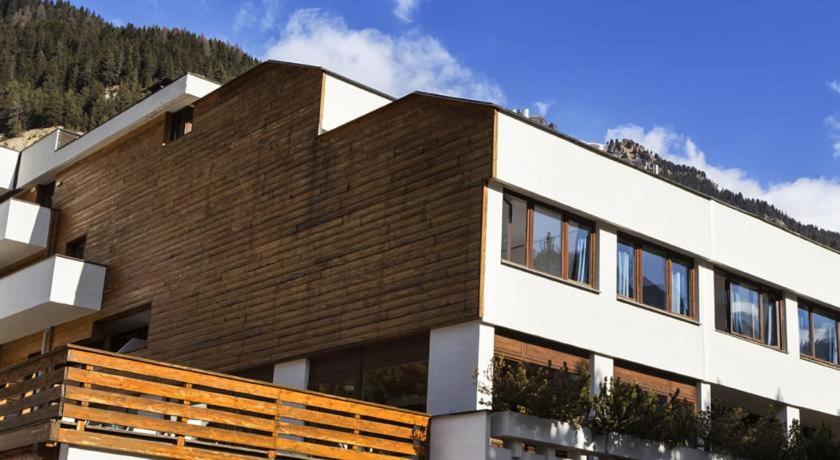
(809, 200)
(249, 15)
(834, 127)
(542, 107)
(404, 9)
(394, 64)
(834, 86)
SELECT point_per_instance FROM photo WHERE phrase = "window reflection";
(679, 289)
(626, 270)
(548, 230)
(579, 251)
(804, 332)
(825, 338)
(653, 279)
(745, 315)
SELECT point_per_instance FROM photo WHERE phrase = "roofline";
(335, 75)
(592, 149)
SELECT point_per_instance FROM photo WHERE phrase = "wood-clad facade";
(256, 239)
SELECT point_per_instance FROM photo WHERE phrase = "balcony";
(87, 398)
(8, 166)
(48, 293)
(24, 230)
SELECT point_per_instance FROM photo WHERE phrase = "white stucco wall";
(459, 355)
(344, 101)
(620, 198)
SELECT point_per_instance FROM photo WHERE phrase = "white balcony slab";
(40, 161)
(48, 293)
(8, 165)
(24, 230)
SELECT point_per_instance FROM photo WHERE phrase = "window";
(654, 277)
(44, 194)
(393, 373)
(748, 310)
(547, 240)
(818, 332)
(125, 332)
(76, 248)
(178, 124)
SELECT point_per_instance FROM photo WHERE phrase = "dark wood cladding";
(660, 382)
(256, 240)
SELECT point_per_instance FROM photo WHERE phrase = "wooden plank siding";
(139, 406)
(257, 240)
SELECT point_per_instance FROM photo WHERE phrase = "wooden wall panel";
(256, 240)
(539, 352)
(661, 383)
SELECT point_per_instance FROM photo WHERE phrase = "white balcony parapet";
(50, 292)
(514, 428)
(42, 159)
(24, 230)
(8, 165)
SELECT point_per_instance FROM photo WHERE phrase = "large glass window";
(680, 288)
(748, 310)
(654, 285)
(579, 240)
(625, 273)
(547, 240)
(818, 331)
(546, 247)
(654, 277)
(514, 231)
(393, 373)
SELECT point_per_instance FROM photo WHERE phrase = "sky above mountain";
(748, 91)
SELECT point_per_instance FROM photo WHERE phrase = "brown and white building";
(295, 227)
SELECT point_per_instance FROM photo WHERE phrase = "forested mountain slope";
(63, 65)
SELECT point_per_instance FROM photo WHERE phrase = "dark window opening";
(44, 194)
(655, 277)
(76, 248)
(179, 124)
(749, 310)
(393, 373)
(547, 240)
(124, 333)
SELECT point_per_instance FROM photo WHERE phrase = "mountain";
(695, 179)
(64, 65)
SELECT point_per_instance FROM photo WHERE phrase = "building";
(296, 227)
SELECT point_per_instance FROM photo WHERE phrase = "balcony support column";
(459, 357)
(601, 369)
(292, 374)
(786, 415)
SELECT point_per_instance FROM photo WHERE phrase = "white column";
(704, 397)
(606, 263)
(600, 368)
(787, 415)
(292, 374)
(459, 355)
(460, 436)
(792, 326)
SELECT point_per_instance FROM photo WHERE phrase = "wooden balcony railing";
(86, 397)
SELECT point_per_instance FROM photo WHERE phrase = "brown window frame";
(811, 307)
(565, 217)
(178, 124)
(762, 290)
(639, 245)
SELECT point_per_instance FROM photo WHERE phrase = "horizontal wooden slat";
(25, 386)
(30, 418)
(231, 384)
(29, 435)
(32, 367)
(164, 425)
(36, 399)
(234, 402)
(142, 447)
(167, 408)
(229, 418)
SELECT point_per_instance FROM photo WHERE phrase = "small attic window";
(178, 124)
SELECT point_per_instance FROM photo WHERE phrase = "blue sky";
(746, 90)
